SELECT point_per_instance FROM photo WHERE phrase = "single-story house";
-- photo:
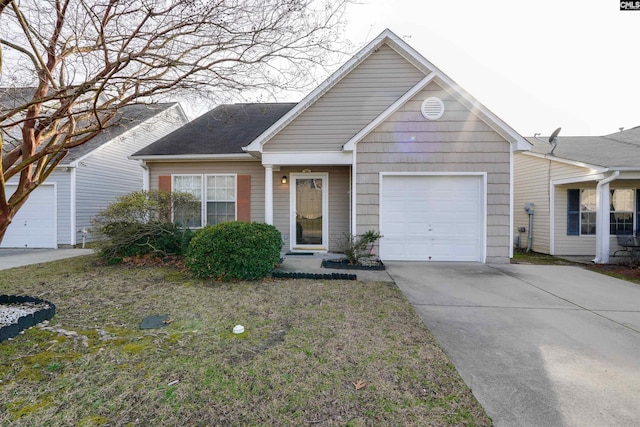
(91, 176)
(585, 191)
(387, 143)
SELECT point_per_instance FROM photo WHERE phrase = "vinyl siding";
(107, 173)
(350, 105)
(457, 142)
(339, 203)
(252, 168)
(531, 185)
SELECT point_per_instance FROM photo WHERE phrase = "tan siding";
(253, 168)
(531, 186)
(350, 105)
(458, 142)
(339, 203)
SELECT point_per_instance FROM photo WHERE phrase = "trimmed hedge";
(234, 251)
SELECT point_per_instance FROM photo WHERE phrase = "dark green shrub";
(234, 251)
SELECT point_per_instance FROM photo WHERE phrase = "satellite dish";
(553, 139)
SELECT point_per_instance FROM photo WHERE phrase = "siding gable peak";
(387, 37)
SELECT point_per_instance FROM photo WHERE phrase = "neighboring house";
(92, 175)
(585, 192)
(388, 142)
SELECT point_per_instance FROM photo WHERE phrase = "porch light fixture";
(284, 179)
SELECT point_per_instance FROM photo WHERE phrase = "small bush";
(357, 248)
(234, 251)
(139, 223)
(128, 239)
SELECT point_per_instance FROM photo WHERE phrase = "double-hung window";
(191, 184)
(221, 199)
(216, 196)
(587, 211)
(622, 210)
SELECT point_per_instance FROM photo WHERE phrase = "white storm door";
(309, 195)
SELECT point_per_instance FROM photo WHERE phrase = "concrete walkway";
(10, 258)
(538, 345)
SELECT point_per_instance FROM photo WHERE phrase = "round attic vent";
(432, 108)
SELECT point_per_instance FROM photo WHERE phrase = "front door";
(309, 211)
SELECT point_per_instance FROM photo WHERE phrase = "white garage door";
(34, 226)
(432, 217)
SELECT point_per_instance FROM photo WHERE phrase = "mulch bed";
(344, 264)
(631, 272)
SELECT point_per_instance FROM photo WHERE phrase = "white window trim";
(235, 195)
(203, 193)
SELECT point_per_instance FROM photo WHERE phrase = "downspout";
(602, 219)
(145, 175)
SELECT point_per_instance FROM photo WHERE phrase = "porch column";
(268, 194)
(603, 204)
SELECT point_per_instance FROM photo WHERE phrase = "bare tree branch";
(86, 59)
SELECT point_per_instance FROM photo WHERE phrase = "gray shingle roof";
(126, 118)
(616, 150)
(223, 130)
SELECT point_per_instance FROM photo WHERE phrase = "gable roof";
(619, 150)
(126, 118)
(407, 52)
(221, 131)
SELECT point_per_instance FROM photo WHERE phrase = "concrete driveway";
(538, 345)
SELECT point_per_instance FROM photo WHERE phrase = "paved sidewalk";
(10, 258)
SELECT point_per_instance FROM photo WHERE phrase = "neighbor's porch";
(589, 214)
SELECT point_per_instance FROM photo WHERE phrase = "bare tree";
(85, 59)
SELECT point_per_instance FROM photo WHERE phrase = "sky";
(537, 65)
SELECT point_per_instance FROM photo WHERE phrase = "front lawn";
(314, 353)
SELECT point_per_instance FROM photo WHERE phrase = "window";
(218, 192)
(221, 199)
(587, 211)
(189, 184)
(581, 211)
(622, 209)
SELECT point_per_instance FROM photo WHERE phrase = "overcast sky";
(538, 65)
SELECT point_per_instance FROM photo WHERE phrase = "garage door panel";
(431, 217)
(34, 226)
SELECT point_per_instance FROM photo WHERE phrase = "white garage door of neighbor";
(432, 217)
(34, 226)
